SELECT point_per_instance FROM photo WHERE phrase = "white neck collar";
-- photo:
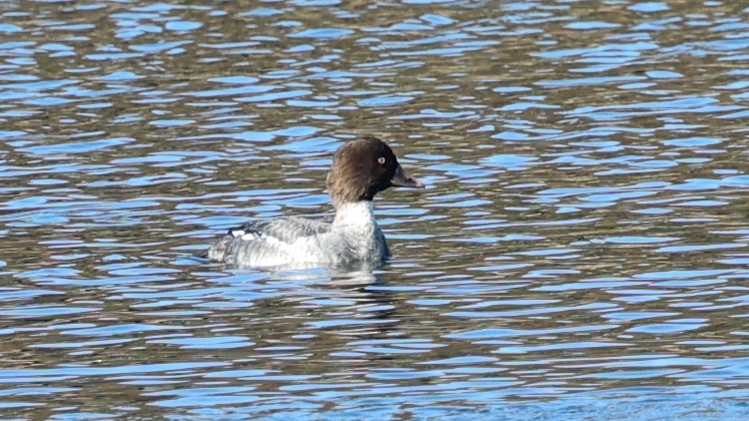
(355, 213)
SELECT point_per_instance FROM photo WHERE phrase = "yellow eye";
(381, 160)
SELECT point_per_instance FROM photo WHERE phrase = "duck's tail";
(217, 251)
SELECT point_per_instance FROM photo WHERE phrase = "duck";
(361, 169)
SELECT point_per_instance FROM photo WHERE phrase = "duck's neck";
(355, 213)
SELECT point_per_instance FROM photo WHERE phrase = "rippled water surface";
(580, 251)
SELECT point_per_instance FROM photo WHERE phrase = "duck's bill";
(401, 179)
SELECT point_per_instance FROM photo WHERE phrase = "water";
(580, 252)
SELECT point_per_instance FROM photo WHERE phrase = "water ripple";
(580, 251)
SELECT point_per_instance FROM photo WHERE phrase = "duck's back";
(286, 229)
(262, 243)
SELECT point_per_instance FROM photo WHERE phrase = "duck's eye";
(381, 160)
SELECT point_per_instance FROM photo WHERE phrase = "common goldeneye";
(361, 169)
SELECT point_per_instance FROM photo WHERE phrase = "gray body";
(353, 236)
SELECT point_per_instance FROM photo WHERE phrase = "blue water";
(580, 251)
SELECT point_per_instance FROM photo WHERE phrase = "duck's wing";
(260, 243)
(286, 230)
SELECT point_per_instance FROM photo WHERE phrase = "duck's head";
(364, 167)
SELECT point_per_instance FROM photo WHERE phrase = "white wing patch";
(251, 236)
(245, 236)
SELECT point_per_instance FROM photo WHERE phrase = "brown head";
(364, 167)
